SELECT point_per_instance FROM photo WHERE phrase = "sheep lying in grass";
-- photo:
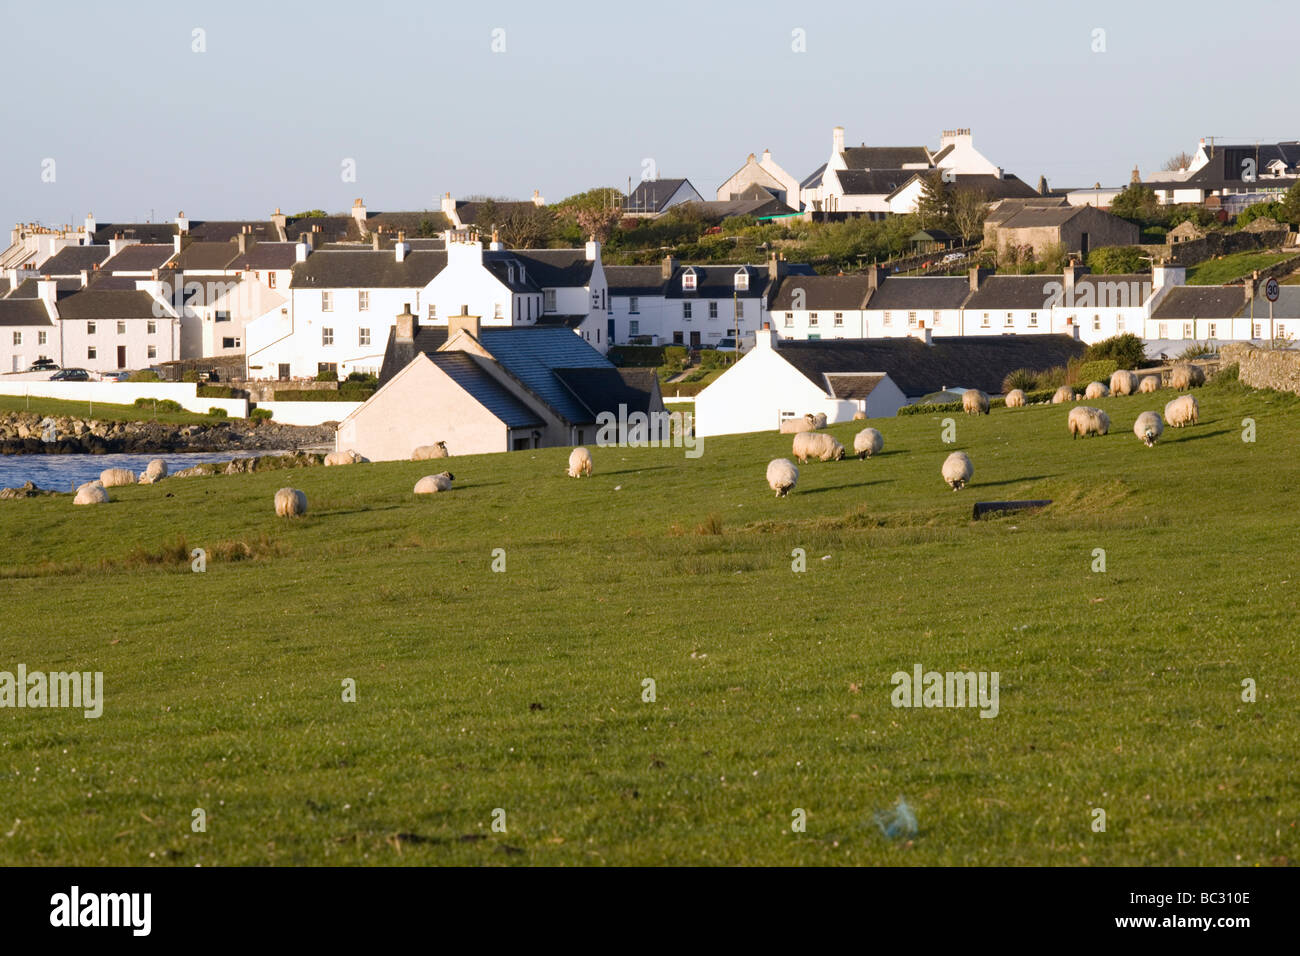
(290, 503)
(859, 416)
(793, 426)
(1183, 411)
(1148, 427)
(974, 402)
(579, 463)
(1084, 421)
(1016, 398)
(957, 470)
(348, 457)
(817, 445)
(432, 484)
(425, 452)
(91, 493)
(867, 442)
(1183, 377)
(156, 470)
(112, 477)
(1123, 383)
(1062, 395)
(1149, 384)
(1096, 390)
(782, 476)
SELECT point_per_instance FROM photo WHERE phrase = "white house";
(763, 172)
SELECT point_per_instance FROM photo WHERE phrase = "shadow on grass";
(860, 484)
(631, 471)
(1011, 481)
(1199, 435)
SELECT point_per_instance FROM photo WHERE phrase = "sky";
(139, 110)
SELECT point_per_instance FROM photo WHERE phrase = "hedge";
(637, 355)
(1099, 371)
(159, 404)
(944, 408)
(683, 388)
(216, 391)
(322, 395)
(261, 414)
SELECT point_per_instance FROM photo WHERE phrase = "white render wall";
(125, 393)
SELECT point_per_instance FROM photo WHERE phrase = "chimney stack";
(465, 322)
(400, 247)
(668, 268)
(876, 274)
(301, 249)
(85, 278)
(837, 140)
(374, 240)
(764, 338)
(593, 249)
(90, 229)
(977, 277)
(182, 222)
(176, 244)
(407, 324)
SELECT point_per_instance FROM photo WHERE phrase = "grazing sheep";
(1096, 390)
(867, 442)
(974, 402)
(957, 470)
(859, 416)
(112, 477)
(1123, 383)
(91, 493)
(817, 445)
(348, 457)
(1084, 421)
(1149, 384)
(782, 476)
(1183, 377)
(793, 426)
(432, 484)
(155, 471)
(1183, 411)
(290, 503)
(579, 463)
(1063, 394)
(1016, 398)
(425, 452)
(1148, 427)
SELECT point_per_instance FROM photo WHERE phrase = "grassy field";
(1230, 267)
(101, 411)
(522, 690)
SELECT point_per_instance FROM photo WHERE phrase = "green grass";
(99, 411)
(522, 690)
(1234, 266)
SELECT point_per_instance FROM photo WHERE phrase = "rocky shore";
(21, 434)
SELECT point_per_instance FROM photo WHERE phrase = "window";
(90, 352)
(633, 327)
(889, 318)
(327, 301)
(1187, 330)
(230, 343)
(363, 300)
(1010, 321)
(221, 316)
(363, 336)
(1119, 323)
(548, 300)
(1096, 323)
(911, 320)
(270, 279)
(934, 319)
(595, 298)
(789, 320)
(740, 308)
(1033, 320)
(1162, 330)
(40, 338)
(688, 281)
(634, 305)
(598, 336)
(326, 336)
(152, 351)
(327, 368)
(496, 311)
(839, 319)
(686, 310)
(151, 327)
(519, 444)
(1255, 332)
(1214, 328)
(90, 328)
(713, 310)
(18, 338)
(984, 323)
(121, 328)
(433, 311)
(812, 318)
(742, 280)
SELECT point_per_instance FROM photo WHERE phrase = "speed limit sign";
(1271, 290)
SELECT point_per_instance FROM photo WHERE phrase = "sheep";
(112, 477)
(1063, 394)
(290, 503)
(425, 452)
(1183, 411)
(782, 476)
(1084, 421)
(1149, 384)
(793, 426)
(348, 457)
(432, 484)
(859, 416)
(91, 493)
(1016, 398)
(957, 470)
(974, 402)
(155, 471)
(1096, 390)
(817, 445)
(819, 420)
(1148, 427)
(579, 463)
(867, 442)
(1183, 377)
(1123, 383)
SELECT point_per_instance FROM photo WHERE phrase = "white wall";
(309, 413)
(753, 394)
(125, 393)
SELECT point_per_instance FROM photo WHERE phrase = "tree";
(932, 208)
(597, 222)
(1126, 349)
(1137, 203)
(309, 214)
(1116, 260)
(1178, 161)
(1290, 211)
(968, 208)
(527, 227)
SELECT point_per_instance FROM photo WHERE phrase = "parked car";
(44, 365)
(954, 257)
(728, 344)
(71, 375)
(120, 376)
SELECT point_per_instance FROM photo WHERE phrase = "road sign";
(1271, 290)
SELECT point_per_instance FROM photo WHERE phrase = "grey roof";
(265, 255)
(1287, 305)
(884, 157)
(873, 182)
(412, 223)
(70, 260)
(813, 178)
(206, 255)
(332, 228)
(1032, 217)
(1008, 207)
(925, 292)
(367, 269)
(469, 211)
(532, 354)
(1226, 165)
(1205, 302)
(717, 282)
(98, 304)
(1113, 290)
(466, 370)
(23, 312)
(635, 280)
(651, 194)
(994, 187)
(561, 321)
(146, 232)
(853, 386)
(554, 268)
(1015, 292)
(398, 353)
(143, 257)
(28, 289)
(819, 292)
(224, 230)
(605, 389)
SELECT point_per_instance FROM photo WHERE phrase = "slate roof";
(1110, 291)
(70, 260)
(265, 255)
(873, 182)
(467, 371)
(367, 269)
(208, 256)
(717, 282)
(884, 157)
(554, 268)
(925, 292)
(1014, 292)
(468, 211)
(398, 354)
(813, 178)
(635, 280)
(651, 195)
(23, 312)
(919, 369)
(1206, 302)
(332, 228)
(144, 257)
(1225, 168)
(28, 289)
(1008, 207)
(224, 230)
(531, 354)
(98, 304)
(819, 292)
(145, 232)
(993, 187)
(853, 386)
(605, 389)
(1037, 216)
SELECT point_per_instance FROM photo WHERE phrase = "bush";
(365, 379)
(325, 375)
(260, 414)
(944, 408)
(1197, 350)
(190, 375)
(1229, 373)
(1127, 350)
(712, 358)
(1021, 378)
(674, 355)
(217, 412)
(1099, 371)
(144, 375)
(317, 395)
(216, 391)
(1116, 260)
(638, 356)
(159, 404)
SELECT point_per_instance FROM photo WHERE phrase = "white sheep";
(1096, 390)
(817, 445)
(957, 470)
(112, 477)
(1183, 411)
(432, 484)
(1016, 398)
(1062, 395)
(782, 476)
(1123, 383)
(1183, 377)
(579, 463)
(91, 493)
(868, 442)
(290, 503)
(1084, 421)
(793, 426)
(974, 402)
(155, 471)
(1148, 427)
(348, 457)
(1149, 384)
(426, 452)
(859, 416)
(819, 420)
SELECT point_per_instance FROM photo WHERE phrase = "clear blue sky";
(584, 92)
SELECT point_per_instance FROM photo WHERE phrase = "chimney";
(243, 240)
(90, 229)
(407, 324)
(374, 241)
(448, 205)
(668, 268)
(977, 277)
(495, 244)
(765, 338)
(776, 266)
(837, 140)
(309, 238)
(47, 291)
(12, 275)
(301, 249)
(537, 199)
(767, 157)
(1070, 273)
(1163, 274)
(85, 278)
(279, 219)
(468, 323)
(875, 276)
(1042, 185)
(176, 244)
(359, 213)
(400, 248)
(182, 223)
(593, 250)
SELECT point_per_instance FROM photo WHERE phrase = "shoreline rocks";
(20, 434)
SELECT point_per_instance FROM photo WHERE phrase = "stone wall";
(1277, 369)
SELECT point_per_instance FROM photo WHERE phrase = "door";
(609, 332)
(284, 371)
(695, 340)
(121, 356)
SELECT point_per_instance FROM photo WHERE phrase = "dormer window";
(742, 280)
(510, 274)
(688, 280)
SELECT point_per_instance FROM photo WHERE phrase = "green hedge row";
(160, 404)
(1098, 371)
(945, 408)
(217, 391)
(322, 395)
